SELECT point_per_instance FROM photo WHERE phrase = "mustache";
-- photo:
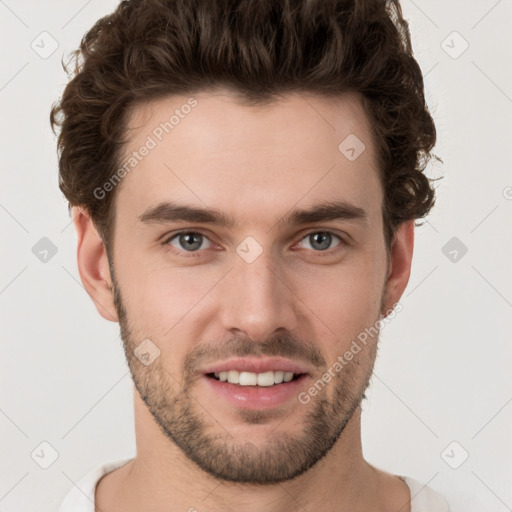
(283, 346)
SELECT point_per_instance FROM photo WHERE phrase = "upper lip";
(257, 365)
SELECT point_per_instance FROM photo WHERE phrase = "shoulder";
(81, 496)
(424, 498)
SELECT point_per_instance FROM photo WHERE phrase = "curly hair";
(148, 49)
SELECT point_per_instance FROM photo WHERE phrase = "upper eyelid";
(168, 238)
(342, 240)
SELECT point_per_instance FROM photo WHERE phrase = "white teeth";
(278, 377)
(247, 379)
(233, 377)
(254, 379)
(266, 379)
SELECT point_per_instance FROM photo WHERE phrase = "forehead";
(211, 149)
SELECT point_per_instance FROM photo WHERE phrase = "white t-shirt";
(81, 496)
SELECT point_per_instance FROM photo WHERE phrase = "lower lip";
(257, 397)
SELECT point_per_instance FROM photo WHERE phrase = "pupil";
(323, 240)
(191, 240)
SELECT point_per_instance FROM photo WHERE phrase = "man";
(244, 177)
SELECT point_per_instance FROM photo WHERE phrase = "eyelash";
(195, 254)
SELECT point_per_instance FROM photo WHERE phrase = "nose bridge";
(256, 300)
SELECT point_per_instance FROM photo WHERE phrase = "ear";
(400, 261)
(93, 264)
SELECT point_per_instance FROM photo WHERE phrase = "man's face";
(269, 286)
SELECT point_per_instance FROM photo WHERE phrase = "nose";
(258, 299)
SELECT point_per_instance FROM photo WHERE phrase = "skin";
(255, 164)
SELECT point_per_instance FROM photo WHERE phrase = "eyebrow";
(166, 212)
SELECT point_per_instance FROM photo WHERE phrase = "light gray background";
(443, 370)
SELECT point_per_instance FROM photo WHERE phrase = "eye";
(192, 241)
(189, 241)
(320, 240)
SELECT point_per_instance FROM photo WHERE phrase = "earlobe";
(93, 265)
(399, 265)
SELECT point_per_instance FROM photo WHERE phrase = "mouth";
(255, 391)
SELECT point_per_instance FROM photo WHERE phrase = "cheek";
(344, 301)
(160, 297)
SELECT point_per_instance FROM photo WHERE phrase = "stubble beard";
(213, 449)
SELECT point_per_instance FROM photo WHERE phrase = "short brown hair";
(148, 49)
